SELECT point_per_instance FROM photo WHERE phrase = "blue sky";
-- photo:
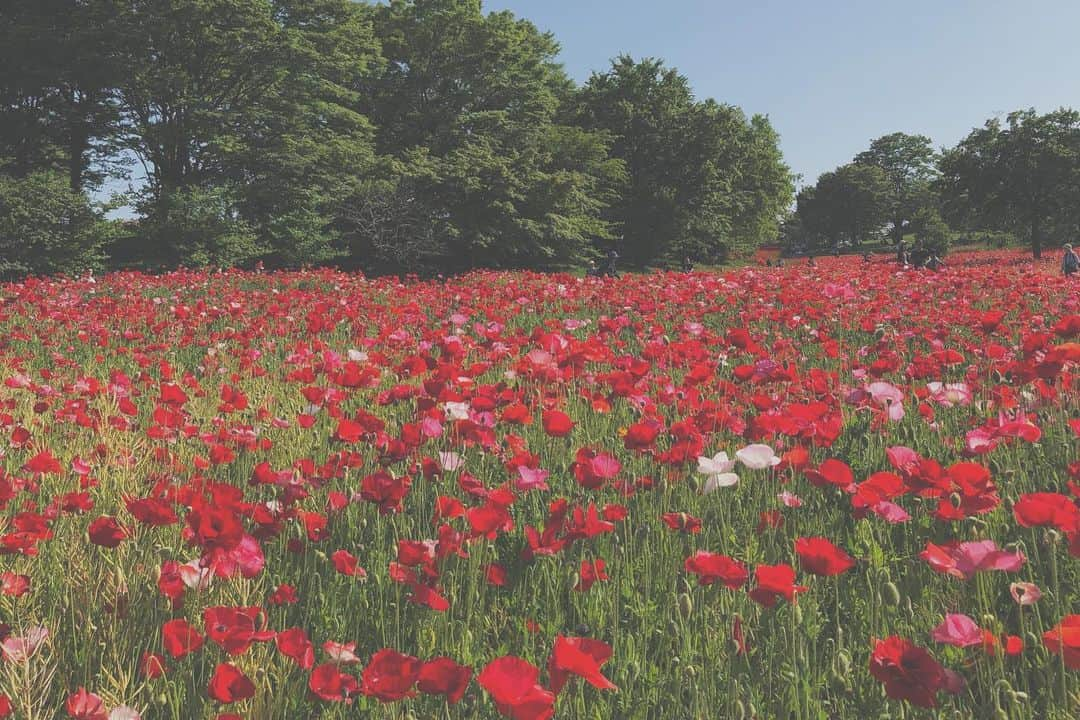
(834, 74)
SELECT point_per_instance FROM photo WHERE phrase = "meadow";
(842, 491)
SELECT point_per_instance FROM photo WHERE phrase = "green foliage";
(701, 180)
(196, 227)
(934, 235)
(467, 110)
(909, 162)
(46, 227)
(1022, 177)
(850, 204)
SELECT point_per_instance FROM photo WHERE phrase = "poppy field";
(842, 491)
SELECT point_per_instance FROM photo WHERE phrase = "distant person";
(612, 259)
(901, 253)
(687, 264)
(592, 270)
(779, 262)
(810, 262)
(934, 262)
(866, 257)
(1070, 262)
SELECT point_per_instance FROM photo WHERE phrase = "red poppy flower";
(710, 567)
(390, 675)
(14, 585)
(557, 423)
(443, 676)
(235, 629)
(1064, 640)
(327, 682)
(295, 644)
(180, 638)
(774, 582)
(908, 672)
(83, 705)
(151, 665)
(818, 556)
(578, 656)
(591, 571)
(512, 684)
(684, 522)
(228, 684)
(106, 532)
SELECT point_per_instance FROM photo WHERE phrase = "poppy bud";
(673, 629)
(843, 662)
(1052, 537)
(740, 710)
(797, 612)
(890, 594)
(686, 606)
(691, 671)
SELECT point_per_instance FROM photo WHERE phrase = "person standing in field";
(1070, 263)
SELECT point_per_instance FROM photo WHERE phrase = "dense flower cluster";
(277, 495)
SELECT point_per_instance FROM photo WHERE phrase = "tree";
(702, 180)
(250, 101)
(1022, 176)
(909, 162)
(46, 227)
(57, 109)
(850, 203)
(467, 107)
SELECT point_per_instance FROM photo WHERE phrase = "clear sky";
(834, 74)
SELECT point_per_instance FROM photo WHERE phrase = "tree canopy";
(1022, 176)
(407, 135)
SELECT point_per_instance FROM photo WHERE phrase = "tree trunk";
(77, 145)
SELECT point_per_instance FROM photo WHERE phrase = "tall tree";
(909, 162)
(702, 180)
(848, 204)
(467, 109)
(56, 102)
(1022, 176)
(241, 111)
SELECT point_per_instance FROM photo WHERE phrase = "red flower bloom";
(327, 682)
(390, 675)
(711, 567)
(908, 672)
(180, 638)
(385, 490)
(295, 644)
(512, 684)
(235, 629)
(557, 423)
(14, 585)
(443, 676)
(578, 656)
(818, 556)
(1064, 640)
(229, 684)
(83, 705)
(105, 532)
(591, 571)
(152, 665)
(775, 582)
(684, 522)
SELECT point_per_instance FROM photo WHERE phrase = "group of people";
(610, 268)
(918, 256)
